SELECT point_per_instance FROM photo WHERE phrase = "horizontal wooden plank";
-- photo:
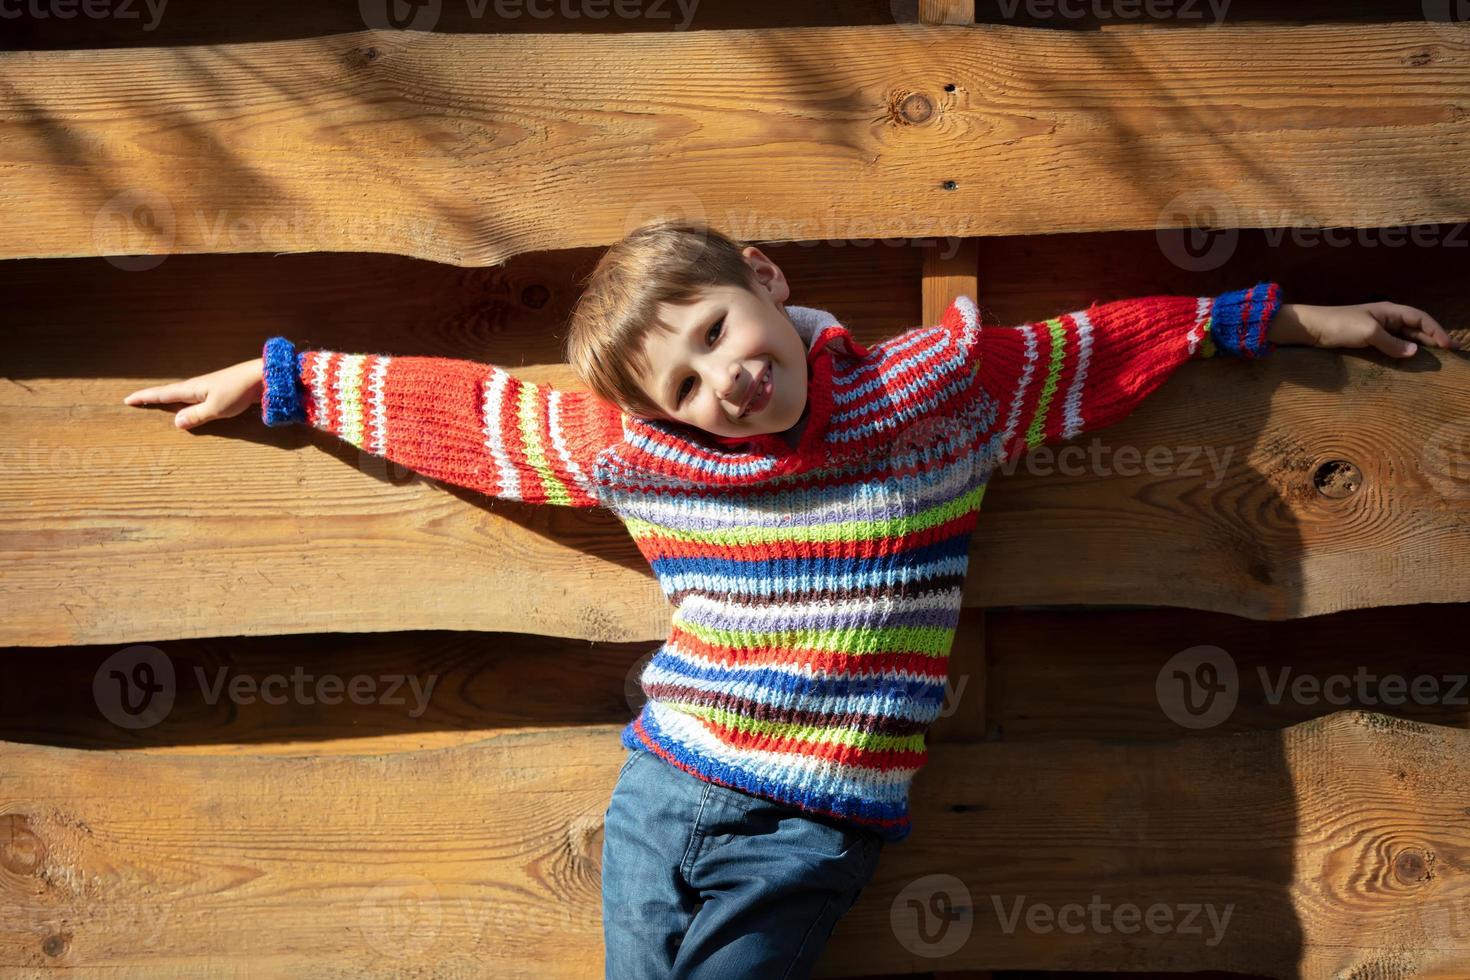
(470, 149)
(31, 28)
(1333, 848)
(152, 534)
(1126, 674)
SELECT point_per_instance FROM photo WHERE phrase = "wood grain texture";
(1205, 498)
(1339, 847)
(219, 22)
(470, 149)
(117, 527)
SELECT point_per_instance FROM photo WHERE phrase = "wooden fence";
(175, 195)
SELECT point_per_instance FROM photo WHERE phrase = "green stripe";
(1034, 436)
(838, 531)
(529, 413)
(932, 641)
(1207, 346)
(349, 398)
(805, 733)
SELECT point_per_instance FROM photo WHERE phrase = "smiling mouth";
(761, 392)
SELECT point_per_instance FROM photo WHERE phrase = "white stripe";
(378, 407)
(673, 650)
(506, 475)
(1073, 403)
(770, 511)
(320, 363)
(1201, 315)
(785, 768)
(1013, 418)
(971, 317)
(871, 697)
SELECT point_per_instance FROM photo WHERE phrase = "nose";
(731, 387)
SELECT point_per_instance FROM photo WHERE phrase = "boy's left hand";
(1383, 325)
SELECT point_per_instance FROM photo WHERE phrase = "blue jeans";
(702, 881)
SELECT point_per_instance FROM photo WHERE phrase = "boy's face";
(734, 366)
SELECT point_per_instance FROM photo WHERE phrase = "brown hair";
(665, 261)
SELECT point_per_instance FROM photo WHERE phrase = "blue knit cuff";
(1240, 318)
(281, 401)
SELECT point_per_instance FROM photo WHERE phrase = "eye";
(714, 331)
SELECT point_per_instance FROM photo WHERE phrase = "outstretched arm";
(470, 424)
(1056, 379)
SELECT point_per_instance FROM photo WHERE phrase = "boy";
(806, 503)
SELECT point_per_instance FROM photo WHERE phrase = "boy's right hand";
(218, 395)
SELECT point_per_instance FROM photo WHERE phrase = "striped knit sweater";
(816, 587)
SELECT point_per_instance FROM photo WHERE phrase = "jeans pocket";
(633, 755)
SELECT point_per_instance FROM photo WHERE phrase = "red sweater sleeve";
(1055, 379)
(469, 424)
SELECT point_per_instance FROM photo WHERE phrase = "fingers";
(1419, 325)
(1391, 345)
(183, 391)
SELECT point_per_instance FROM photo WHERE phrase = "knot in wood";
(21, 849)
(1337, 478)
(916, 108)
(1410, 866)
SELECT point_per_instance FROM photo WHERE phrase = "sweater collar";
(666, 446)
